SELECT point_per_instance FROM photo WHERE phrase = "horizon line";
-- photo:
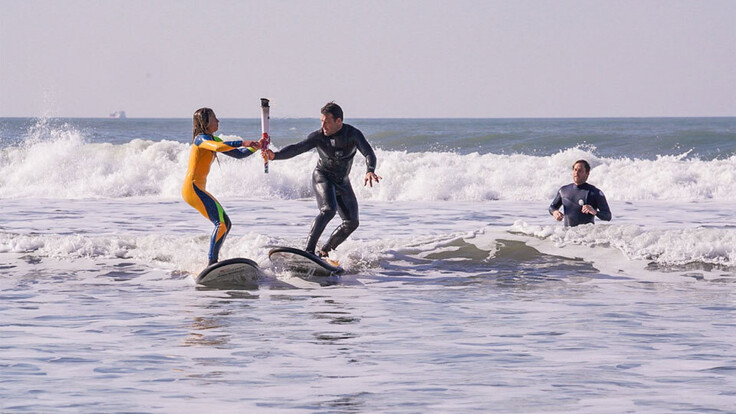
(388, 117)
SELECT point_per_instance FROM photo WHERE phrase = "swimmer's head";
(331, 118)
(204, 121)
(333, 109)
(580, 172)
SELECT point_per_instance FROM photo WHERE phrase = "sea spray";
(68, 167)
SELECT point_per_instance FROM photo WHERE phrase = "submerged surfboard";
(230, 273)
(299, 261)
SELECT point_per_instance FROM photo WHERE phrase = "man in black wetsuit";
(336, 145)
(582, 201)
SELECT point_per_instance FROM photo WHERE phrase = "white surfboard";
(237, 272)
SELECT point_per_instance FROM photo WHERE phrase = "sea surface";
(461, 295)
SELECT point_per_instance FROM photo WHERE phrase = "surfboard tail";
(234, 272)
(297, 260)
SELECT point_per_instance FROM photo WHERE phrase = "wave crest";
(59, 163)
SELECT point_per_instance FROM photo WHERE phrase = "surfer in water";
(336, 145)
(205, 145)
(582, 202)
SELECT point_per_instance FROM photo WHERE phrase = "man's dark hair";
(333, 109)
(585, 165)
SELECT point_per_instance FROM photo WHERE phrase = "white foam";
(667, 247)
(173, 236)
(61, 164)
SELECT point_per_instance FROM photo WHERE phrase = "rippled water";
(436, 317)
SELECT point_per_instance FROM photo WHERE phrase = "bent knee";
(327, 211)
(351, 224)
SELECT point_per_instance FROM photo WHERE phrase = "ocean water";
(462, 294)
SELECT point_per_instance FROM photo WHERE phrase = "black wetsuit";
(570, 195)
(331, 181)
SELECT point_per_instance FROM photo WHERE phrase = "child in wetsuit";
(204, 148)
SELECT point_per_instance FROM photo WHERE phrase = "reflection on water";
(350, 403)
(206, 323)
(333, 337)
(225, 315)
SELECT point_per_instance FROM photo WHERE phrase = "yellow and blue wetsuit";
(193, 191)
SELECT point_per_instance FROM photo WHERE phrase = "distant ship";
(118, 114)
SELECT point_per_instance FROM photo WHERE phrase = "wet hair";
(585, 165)
(333, 109)
(200, 120)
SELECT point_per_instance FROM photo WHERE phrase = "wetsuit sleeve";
(556, 203)
(241, 152)
(365, 148)
(231, 148)
(217, 145)
(291, 151)
(604, 212)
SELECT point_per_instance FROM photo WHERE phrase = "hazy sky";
(394, 58)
